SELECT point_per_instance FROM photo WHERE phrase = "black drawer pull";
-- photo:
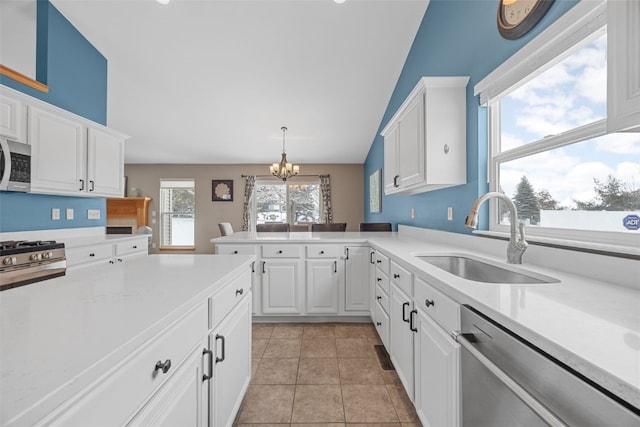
(208, 376)
(92, 254)
(221, 338)
(321, 252)
(378, 297)
(404, 316)
(239, 291)
(280, 251)
(379, 279)
(378, 323)
(164, 367)
(396, 276)
(235, 252)
(411, 324)
(429, 302)
(379, 261)
(135, 246)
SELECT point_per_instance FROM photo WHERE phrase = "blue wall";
(76, 74)
(456, 38)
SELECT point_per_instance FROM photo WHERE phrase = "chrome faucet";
(516, 246)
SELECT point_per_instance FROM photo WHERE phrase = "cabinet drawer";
(84, 254)
(382, 298)
(132, 381)
(235, 249)
(382, 280)
(322, 251)
(281, 251)
(402, 278)
(444, 310)
(382, 325)
(130, 247)
(382, 262)
(223, 301)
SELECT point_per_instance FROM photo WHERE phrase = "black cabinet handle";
(263, 263)
(378, 297)
(321, 252)
(135, 246)
(280, 251)
(411, 325)
(347, 252)
(221, 338)
(92, 254)
(379, 261)
(396, 276)
(378, 323)
(164, 367)
(335, 266)
(370, 257)
(429, 302)
(239, 291)
(119, 259)
(379, 279)
(404, 317)
(93, 185)
(253, 267)
(235, 252)
(395, 181)
(81, 185)
(207, 377)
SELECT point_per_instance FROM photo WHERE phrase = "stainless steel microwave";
(15, 166)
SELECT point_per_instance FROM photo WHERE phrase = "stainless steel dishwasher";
(506, 381)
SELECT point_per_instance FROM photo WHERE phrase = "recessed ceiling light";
(163, 1)
(339, 1)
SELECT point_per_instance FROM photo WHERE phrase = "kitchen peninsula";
(128, 342)
(587, 317)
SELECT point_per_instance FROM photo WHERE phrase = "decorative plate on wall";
(222, 190)
(517, 17)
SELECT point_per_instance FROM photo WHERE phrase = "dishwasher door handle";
(548, 416)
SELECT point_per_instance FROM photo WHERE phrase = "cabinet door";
(281, 283)
(322, 286)
(58, 154)
(182, 401)
(437, 358)
(357, 281)
(623, 60)
(391, 171)
(105, 163)
(12, 119)
(401, 337)
(231, 344)
(411, 143)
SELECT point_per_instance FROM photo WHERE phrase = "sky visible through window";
(568, 95)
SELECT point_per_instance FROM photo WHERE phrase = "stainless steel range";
(23, 262)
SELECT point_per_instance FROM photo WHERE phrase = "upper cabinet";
(623, 35)
(70, 155)
(425, 140)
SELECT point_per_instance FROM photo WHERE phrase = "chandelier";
(284, 170)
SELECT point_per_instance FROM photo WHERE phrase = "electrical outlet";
(69, 213)
(55, 214)
(450, 213)
(413, 213)
(93, 213)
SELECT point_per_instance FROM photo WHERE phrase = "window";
(287, 202)
(177, 213)
(549, 147)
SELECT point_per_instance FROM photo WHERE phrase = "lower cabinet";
(281, 290)
(437, 358)
(323, 281)
(401, 337)
(182, 401)
(357, 266)
(230, 343)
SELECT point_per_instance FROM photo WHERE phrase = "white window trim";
(586, 20)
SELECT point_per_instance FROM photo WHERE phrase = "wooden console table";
(129, 208)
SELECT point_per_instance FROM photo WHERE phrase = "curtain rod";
(271, 176)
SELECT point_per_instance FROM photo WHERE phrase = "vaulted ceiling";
(212, 81)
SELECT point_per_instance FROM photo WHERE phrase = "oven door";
(15, 166)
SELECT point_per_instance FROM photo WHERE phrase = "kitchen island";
(589, 319)
(73, 347)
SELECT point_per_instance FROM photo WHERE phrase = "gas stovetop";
(23, 262)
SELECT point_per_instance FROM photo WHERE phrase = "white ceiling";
(212, 81)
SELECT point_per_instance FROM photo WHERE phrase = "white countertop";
(584, 320)
(56, 335)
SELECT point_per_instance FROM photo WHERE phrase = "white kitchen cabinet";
(425, 140)
(13, 118)
(623, 62)
(231, 345)
(105, 252)
(70, 157)
(105, 162)
(437, 357)
(357, 283)
(323, 281)
(401, 337)
(182, 401)
(281, 286)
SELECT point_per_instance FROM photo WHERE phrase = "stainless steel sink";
(481, 271)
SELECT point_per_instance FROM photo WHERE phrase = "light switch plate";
(450, 213)
(93, 213)
(69, 213)
(55, 214)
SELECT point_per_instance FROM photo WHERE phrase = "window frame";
(583, 23)
(163, 247)
(298, 181)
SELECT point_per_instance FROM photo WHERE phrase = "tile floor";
(325, 374)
